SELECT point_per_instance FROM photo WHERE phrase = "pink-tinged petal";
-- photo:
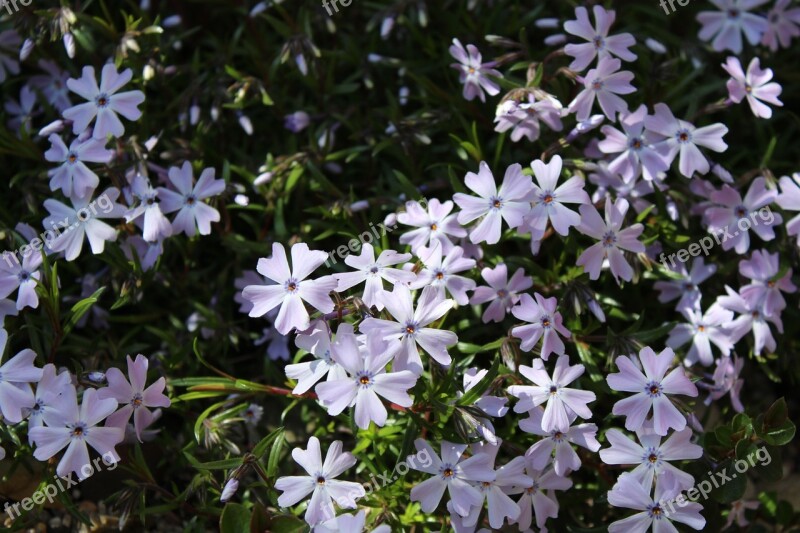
(369, 408)
(488, 230)
(678, 447)
(666, 416)
(118, 387)
(13, 399)
(20, 368)
(676, 382)
(638, 523)
(154, 396)
(623, 451)
(394, 387)
(618, 265)
(566, 460)
(75, 458)
(635, 408)
(317, 293)
(264, 298)
(592, 260)
(276, 267)
(435, 343)
(337, 461)
(576, 400)
(94, 409)
(111, 81)
(137, 370)
(49, 441)
(399, 303)
(345, 493)
(310, 458)
(337, 395)
(104, 439)
(305, 261)
(482, 182)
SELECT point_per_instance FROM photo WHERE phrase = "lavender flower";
(737, 217)
(548, 198)
(21, 277)
(636, 148)
(434, 224)
(702, 330)
(535, 501)
(727, 25)
(440, 272)
(600, 44)
(473, 73)
(15, 374)
(317, 341)
(605, 83)
(194, 215)
(687, 287)
(789, 199)
(501, 291)
(73, 177)
(545, 323)
(765, 290)
(753, 86)
(565, 460)
(783, 24)
(373, 272)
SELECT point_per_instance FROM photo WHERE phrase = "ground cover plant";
(407, 265)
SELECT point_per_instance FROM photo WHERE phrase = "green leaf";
(473, 394)
(274, 460)
(235, 519)
(260, 449)
(777, 414)
(83, 307)
(287, 524)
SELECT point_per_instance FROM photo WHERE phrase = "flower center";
(411, 328)
(740, 211)
(553, 390)
(291, 285)
(609, 239)
(653, 388)
(72, 157)
(636, 143)
(599, 43)
(447, 471)
(502, 293)
(656, 512)
(434, 227)
(495, 202)
(652, 458)
(24, 276)
(546, 322)
(78, 430)
(191, 199)
(439, 274)
(136, 401)
(101, 100)
(684, 136)
(320, 480)
(701, 328)
(733, 13)
(374, 269)
(547, 198)
(597, 84)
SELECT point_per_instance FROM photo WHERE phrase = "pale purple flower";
(15, 374)
(600, 44)
(410, 326)
(104, 102)
(297, 121)
(155, 226)
(316, 341)
(501, 291)
(373, 272)
(278, 347)
(146, 252)
(493, 406)
(492, 205)
(752, 317)
(783, 24)
(21, 277)
(73, 177)
(789, 199)
(561, 400)
(651, 390)
(9, 43)
(538, 500)
(702, 330)
(473, 73)
(548, 198)
(21, 113)
(453, 472)
(252, 414)
(290, 288)
(83, 219)
(522, 118)
(434, 224)
(320, 482)
(53, 85)
(499, 505)
(726, 380)
(687, 287)
(229, 490)
(605, 82)
(726, 26)
(651, 456)
(654, 511)
(194, 215)
(565, 459)
(50, 393)
(737, 511)
(544, 323)
(132, 396)
(248, 277)
(753, 86)
(762, 269)
(612, 240)
(367, 380)
(736, 217)
(352, 523)
(683, 138)
(74, 428)
(440, 272)
(635, 146)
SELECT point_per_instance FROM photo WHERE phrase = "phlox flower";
(194, 215)
(493, 205)
(635, 146)
(453, 472)
(789, 199)
(410, 326)
(146, 252)
(51, 391)
(76, 427)
(522, 118)
(502, 292)
(612, 240)
(726, 380)
(727, 25)
(53, 84)
(155, 225)
(317, 341)
(500, 506)
(765, 288)
(702, 330)
(73, 177)
(561, 400)
(736, 216)
(544, 323)
(440, 272)
(81, 220)
(21, 112)
(752, 317)
(604, 82)
(9, 44)
(492, 406)
(320, 482)
(651, 456)
(132, 396)
(290, 288)
(15, 374)
(548, 198)
(539, 500)
(737, 511)
(433, 224)
(600, 44)
(373, 272)
(473, 73)
(651, 390)
(683, 138)
(352, 523)
(367, 380)
(783, 24)
(688, 286)
(653, 510)
(565, 460)
(21, 277)
(753, 86)
(104, 102)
